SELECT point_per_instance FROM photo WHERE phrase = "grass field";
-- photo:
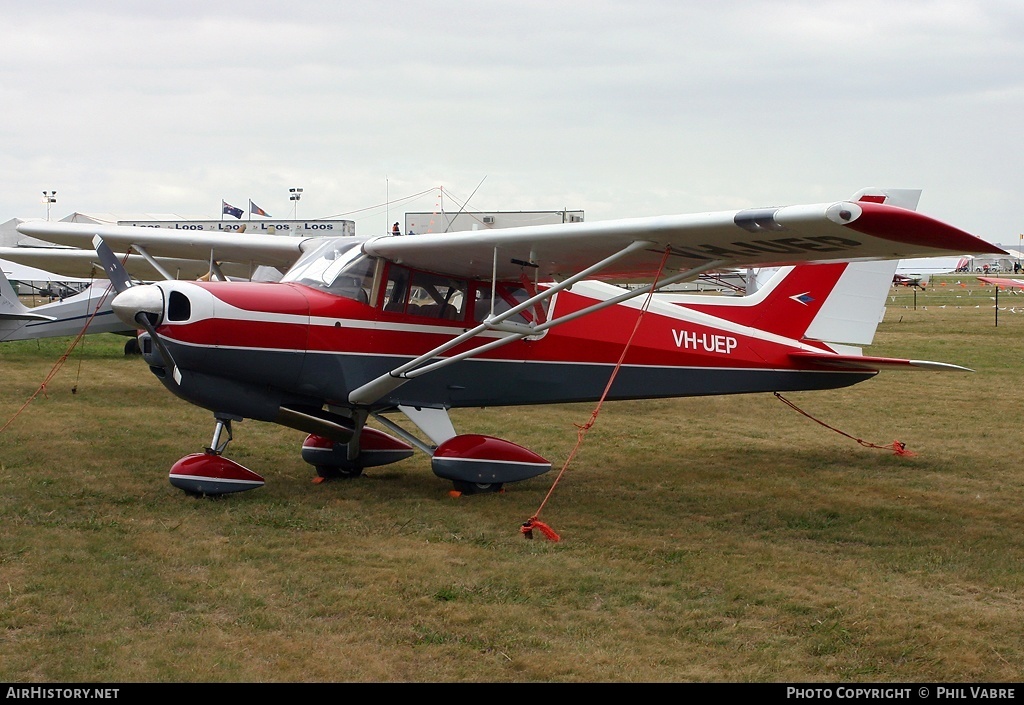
(725, 539)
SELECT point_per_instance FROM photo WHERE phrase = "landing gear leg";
(217, 445)
(337, 472)
(351, 468)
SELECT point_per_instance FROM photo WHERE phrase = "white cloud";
(617, 108)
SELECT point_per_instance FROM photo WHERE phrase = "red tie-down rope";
(896, 447)
(60, 362)
(533, 522)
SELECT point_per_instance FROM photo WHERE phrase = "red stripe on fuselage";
(345, 326)
(790, 307)
(228, 332)
(272, 297)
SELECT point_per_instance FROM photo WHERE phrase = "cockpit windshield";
(337, 266)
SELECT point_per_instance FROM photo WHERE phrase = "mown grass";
(725, 539)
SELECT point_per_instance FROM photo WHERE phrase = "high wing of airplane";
(179, 255)
(256, 258)
(155, 253)
(79, 263)
(401, 329)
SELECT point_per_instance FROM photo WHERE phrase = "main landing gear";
(473, 463)
(462, 487)
(482, 464)
(334, 460)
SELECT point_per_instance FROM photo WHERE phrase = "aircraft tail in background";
(67, 317)
(11, 309)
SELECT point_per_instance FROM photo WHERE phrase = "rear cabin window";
(506, 295)
(423, 294)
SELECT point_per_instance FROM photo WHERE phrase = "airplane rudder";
(9, 301)
(854, 307)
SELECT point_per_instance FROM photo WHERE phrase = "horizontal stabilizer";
(5, 316)
(868, 363)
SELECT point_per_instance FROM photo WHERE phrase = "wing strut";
(152, 261)
(633, 293)
(520, 331)
(377, 388)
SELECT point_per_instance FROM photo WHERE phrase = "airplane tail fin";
(901, 197)
(855, 306)
(10, 307)
(839, 303)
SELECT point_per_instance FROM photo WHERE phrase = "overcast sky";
(618, 109)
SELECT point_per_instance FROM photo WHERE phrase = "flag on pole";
(256, 210)
(228, 209)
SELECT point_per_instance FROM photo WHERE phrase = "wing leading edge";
(758, 237)
(269, 250)
(867, 229)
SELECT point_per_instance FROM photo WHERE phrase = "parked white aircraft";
(67, 316)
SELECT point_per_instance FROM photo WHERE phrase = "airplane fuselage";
(247, 349)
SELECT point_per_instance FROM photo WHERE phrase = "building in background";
(418, 223)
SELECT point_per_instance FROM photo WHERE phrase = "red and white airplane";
(403, 328)
(67, 316)
(1004, 282)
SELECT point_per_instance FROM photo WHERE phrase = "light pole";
(48, 198)
(296, 194)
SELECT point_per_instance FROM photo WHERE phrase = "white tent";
(10, 237)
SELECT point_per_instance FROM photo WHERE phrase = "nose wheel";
(210, 474)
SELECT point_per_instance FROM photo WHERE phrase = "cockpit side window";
(352, 281)
(423, 294)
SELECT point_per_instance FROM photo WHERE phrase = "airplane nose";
(145, 298)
